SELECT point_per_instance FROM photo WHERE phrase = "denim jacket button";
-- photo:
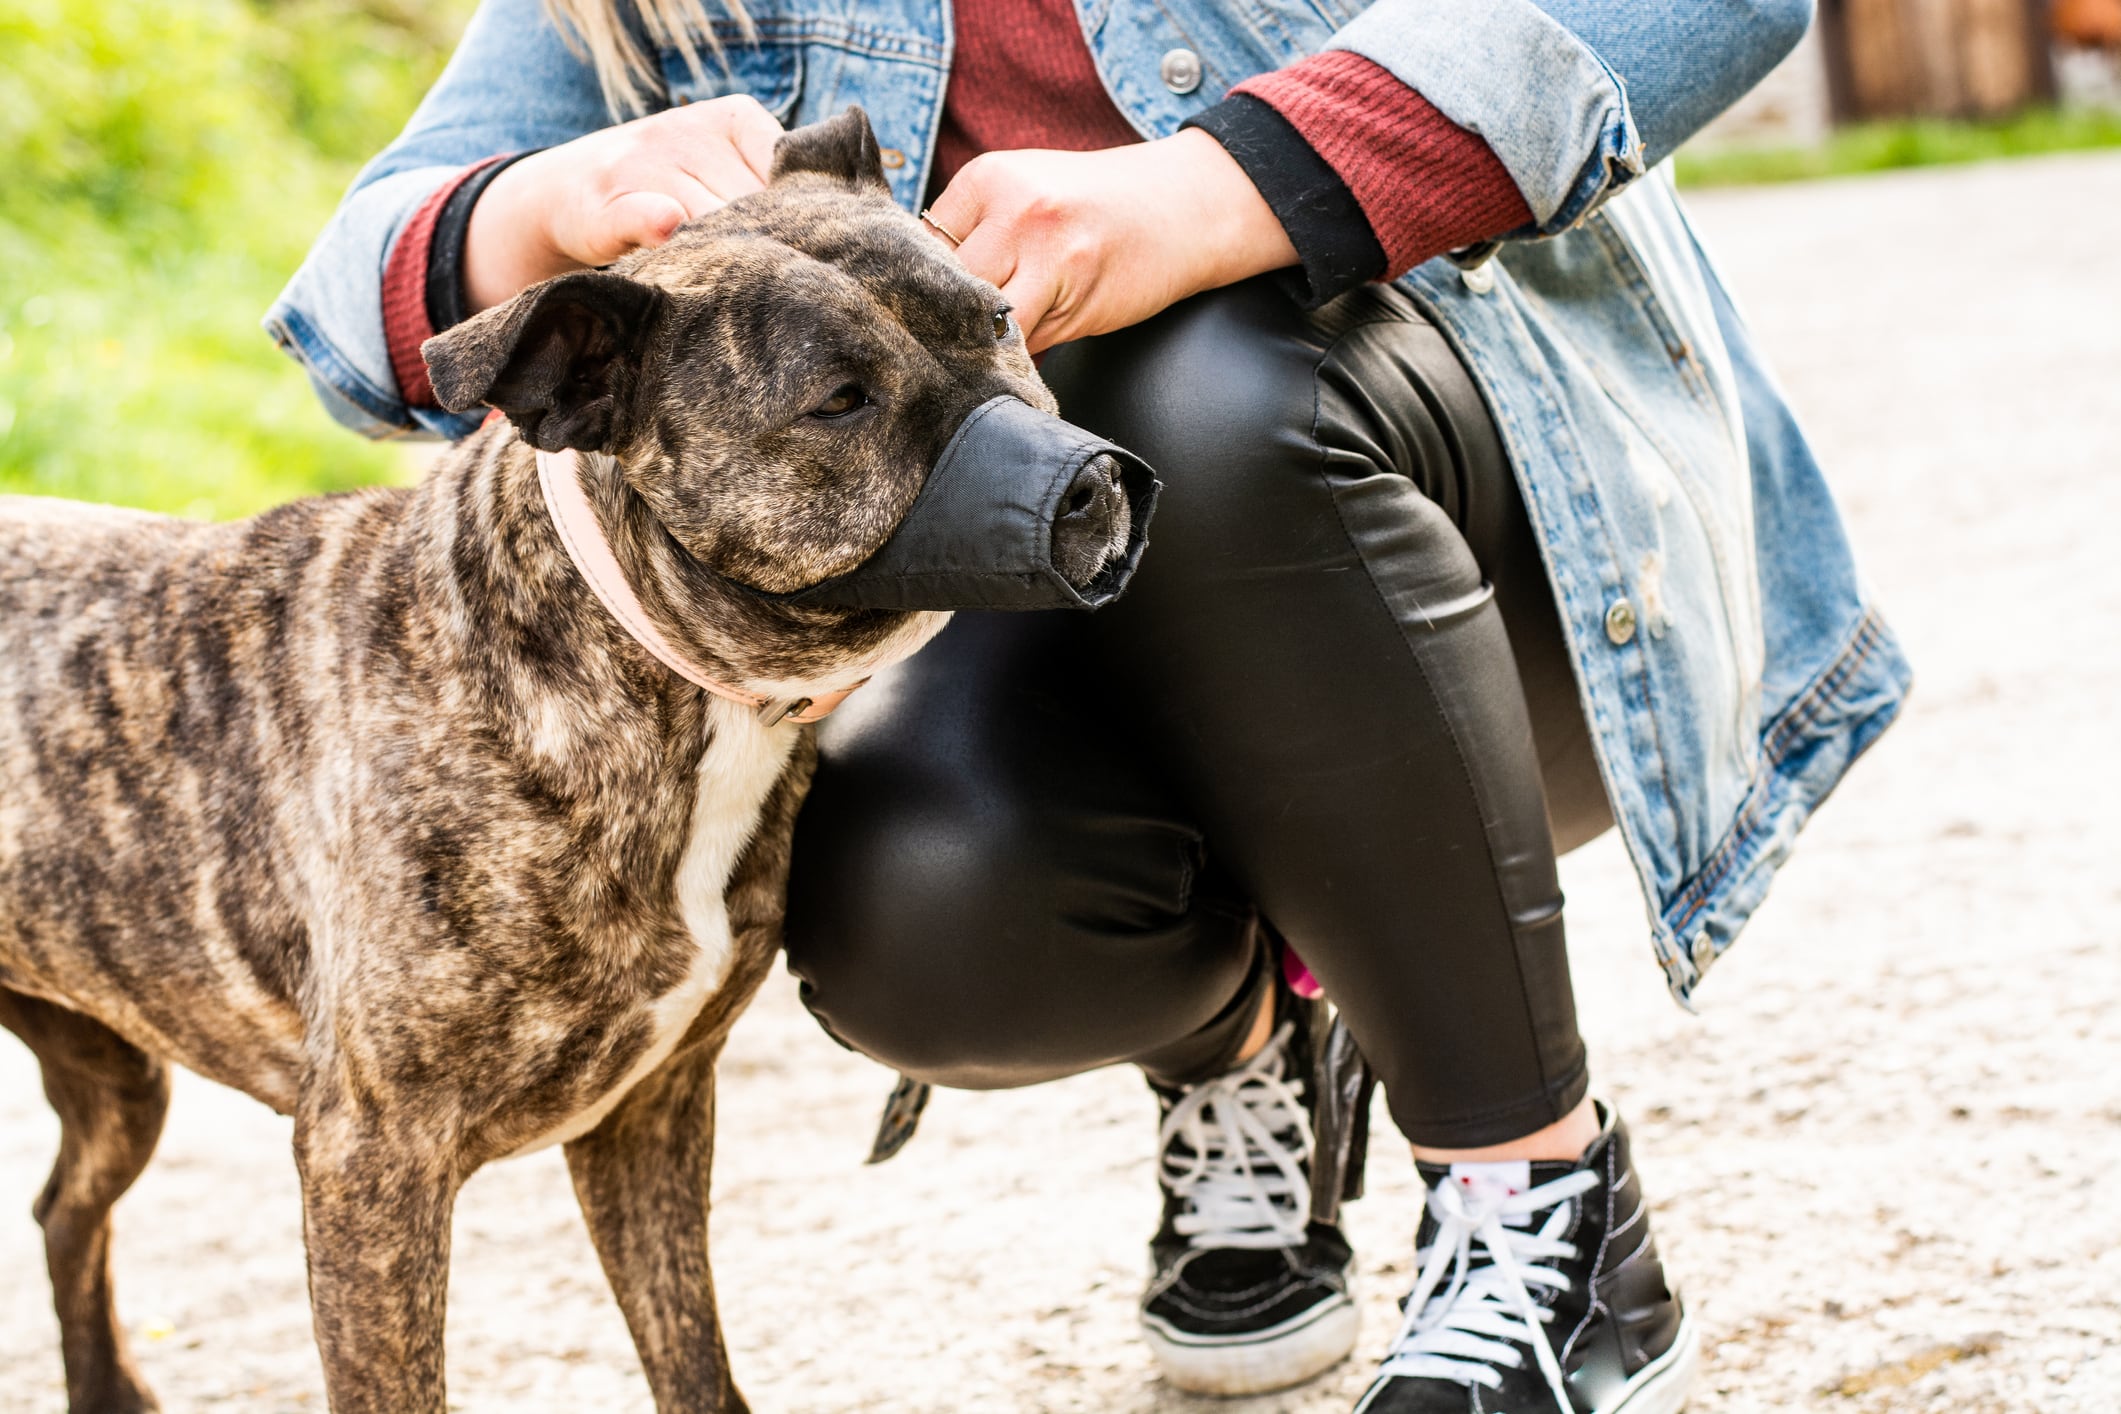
(1480, 279)
(1620, 621)
(1180, 69)
(1703, 952)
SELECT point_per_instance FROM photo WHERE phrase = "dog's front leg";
(375, 1219)
(642, 1178)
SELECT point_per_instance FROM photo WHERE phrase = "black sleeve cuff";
(446, 305)
(1325, 223)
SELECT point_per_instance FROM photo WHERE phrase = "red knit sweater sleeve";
(1426, 184)
(406, 324)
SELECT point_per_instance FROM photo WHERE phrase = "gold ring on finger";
(940, 229)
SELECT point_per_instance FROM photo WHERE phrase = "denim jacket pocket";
(768, 68)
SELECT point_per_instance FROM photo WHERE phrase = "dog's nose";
(1094, 523)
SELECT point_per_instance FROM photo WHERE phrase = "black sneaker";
(1540, 1290)
(1249, 1292)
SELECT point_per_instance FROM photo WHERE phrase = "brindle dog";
(367, 808)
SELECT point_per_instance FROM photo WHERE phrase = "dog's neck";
(560, 477)
(529, 625)
(559, 677)
(591, 727)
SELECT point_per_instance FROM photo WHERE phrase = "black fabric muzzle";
(1022, 511)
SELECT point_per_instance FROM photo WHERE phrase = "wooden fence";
(1935, 58)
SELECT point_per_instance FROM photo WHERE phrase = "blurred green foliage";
(1877, 147)
(166, 165)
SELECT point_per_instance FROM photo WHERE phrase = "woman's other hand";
(588, 202)
(1083, 243)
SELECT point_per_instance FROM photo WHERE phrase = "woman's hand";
(588, 202)
(1087, 242)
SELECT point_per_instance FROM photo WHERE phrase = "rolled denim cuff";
(330, 316)
(1549, 107)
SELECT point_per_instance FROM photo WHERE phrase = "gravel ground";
(1880, 1156)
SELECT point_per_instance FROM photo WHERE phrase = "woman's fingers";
(716, 166)
(675, 166)
(991, 248)
(987, 249)
(663, 170)
(1014, 231)
(727, 143)
(954, 219)
(754, 133)
(590, 201)
(699, 193)
(982, 210)
(636, 219)
(1086, 242)
(1031, 297)
(995, 251)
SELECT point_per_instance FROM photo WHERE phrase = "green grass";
(167, 166)
(1877, 147)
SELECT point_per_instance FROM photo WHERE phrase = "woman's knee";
(885, 929)
(960, 954)
(977, 934)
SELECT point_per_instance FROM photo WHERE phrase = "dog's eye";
(1002, 324)
(845, 399)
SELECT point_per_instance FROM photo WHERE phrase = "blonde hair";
(628, 75)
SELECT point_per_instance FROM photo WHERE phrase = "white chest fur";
(739, 767)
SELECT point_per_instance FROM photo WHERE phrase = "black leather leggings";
(1335, 701)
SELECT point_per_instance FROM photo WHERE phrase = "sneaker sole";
(1663, 1385)
(1259, 1363)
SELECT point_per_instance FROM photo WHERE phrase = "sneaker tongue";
(1487, 1183)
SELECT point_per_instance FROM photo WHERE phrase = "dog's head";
(816, 402)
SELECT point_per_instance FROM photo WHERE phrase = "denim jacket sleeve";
(1578, 97)
(512, 85)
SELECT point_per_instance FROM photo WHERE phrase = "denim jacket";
(1731, 663)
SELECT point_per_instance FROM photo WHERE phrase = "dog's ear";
(842, 148)
(560, 359)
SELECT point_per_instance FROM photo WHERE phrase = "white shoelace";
(1463, 1333)
(1242, 1182)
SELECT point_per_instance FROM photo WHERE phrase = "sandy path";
(1881, 1156)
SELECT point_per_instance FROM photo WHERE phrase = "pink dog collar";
(559, 475)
